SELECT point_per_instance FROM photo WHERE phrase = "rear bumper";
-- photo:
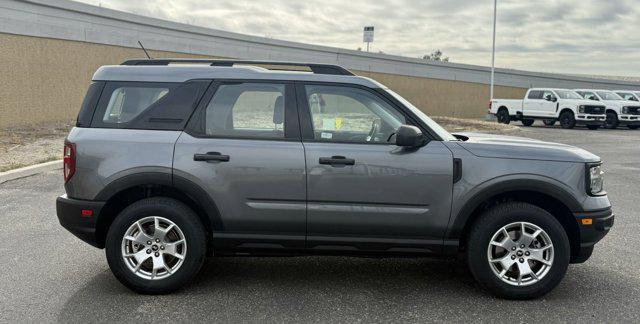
(70, 215)
(590, 234)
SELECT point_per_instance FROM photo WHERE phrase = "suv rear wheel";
(518, 251)
(156, 245)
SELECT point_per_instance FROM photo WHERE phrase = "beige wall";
(45, 79)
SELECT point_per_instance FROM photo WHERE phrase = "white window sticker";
(329, 124)
(326, 135)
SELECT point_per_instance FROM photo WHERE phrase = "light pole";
(493, 49)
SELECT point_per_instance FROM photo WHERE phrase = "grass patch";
(455, 125)
(13, 166)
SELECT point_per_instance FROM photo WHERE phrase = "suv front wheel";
(518, 251)
(156, 245)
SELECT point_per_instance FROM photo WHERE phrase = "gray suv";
(175, 160)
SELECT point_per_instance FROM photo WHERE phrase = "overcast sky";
(599, 37)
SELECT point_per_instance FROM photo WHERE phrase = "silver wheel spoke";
(527, 239)
(172, 248)
(140, 256)
(538, 255)
(142, 238)
(505, 262)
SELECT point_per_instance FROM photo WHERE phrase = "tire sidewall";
(480, 239)
(549, 122)
(503, 116)
(567, 120)
(611, 120)
(528, 122)
(176, 212)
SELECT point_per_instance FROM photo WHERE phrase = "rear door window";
(247, 110)
(535, 94)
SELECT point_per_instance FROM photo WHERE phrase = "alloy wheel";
(153, 248)
(520, 254)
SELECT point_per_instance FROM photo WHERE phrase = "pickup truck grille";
(595, 110)
(633, 110)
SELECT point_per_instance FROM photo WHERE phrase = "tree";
(436, 56)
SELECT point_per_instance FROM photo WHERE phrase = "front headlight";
(595, 179)
(625, 110)
(581, 109)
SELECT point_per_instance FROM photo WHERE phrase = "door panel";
(547, 107)
(364, 193)
(259, 191)
(391, 199)
(243, 148)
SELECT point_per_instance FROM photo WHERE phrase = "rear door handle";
(211, 157)
(337, 160)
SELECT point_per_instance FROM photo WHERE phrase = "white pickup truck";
(619, 111)
(550, 105)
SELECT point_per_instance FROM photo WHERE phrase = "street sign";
(368, 34)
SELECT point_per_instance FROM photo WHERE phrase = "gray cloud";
(571, 36)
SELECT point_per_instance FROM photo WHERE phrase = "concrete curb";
(29, 171)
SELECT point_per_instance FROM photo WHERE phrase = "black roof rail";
(316, 68)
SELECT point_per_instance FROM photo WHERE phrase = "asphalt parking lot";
(49, 275)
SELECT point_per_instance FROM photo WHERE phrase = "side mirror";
(410, 136)
(554, 99)
(547, 97)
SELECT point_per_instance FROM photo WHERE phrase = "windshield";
(607, 95)
(567, 94)
(430, 123)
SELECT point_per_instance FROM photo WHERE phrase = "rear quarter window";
(147, 105)
(89, 104)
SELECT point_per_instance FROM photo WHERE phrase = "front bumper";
(586, 119)
(629, 119)
(74, 215)
(591, 231)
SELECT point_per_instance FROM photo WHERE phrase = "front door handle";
(337, 160)
(211, 157)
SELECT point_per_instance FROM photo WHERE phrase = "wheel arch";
(548, 196)
(565, 109)
(126, 190)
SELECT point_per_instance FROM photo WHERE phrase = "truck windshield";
(430, 123)
(606, 95)
(567, 94)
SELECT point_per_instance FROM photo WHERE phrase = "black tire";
(593, 127)
(492, 221)
(527, 122)
(549, 122)
(503, 116)
(567, 120)
(183, 217)
(611, 121)
(633, 126)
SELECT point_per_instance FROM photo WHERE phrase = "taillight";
(69, 160)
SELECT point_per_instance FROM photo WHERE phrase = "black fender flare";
(187, 187)
(502, 186)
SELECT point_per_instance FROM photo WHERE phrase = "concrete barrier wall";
(49, 50)
(45, 79)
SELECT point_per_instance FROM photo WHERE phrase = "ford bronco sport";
(175, 160)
